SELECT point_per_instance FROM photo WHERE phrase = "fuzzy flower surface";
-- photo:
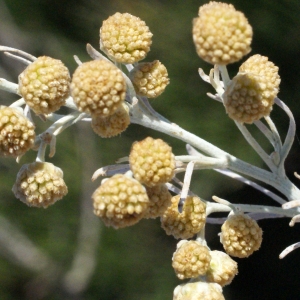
(186, 224)
(16, 132)
(191, 259)
(221, 34)
(198, 290)
(240, 236)
(222, 268)
(112, 125)
(159, 200)
(120, 201)
(40, 184)
(150, 79)
(45, 85)
(251, 93)
(98, 88)
(152, 161)
(125, 38)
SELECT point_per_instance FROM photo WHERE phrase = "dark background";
(65, 252)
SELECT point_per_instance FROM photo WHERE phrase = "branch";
(282, 184)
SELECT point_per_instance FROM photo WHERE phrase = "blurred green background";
(65, 252)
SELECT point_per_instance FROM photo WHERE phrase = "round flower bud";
(45, 85)
(198, 290)
(221, 34)
(16, 132)
(152, 161)
(260, 65)
(120, 201)
(186, 224)
(125, 38)
(40, 184)
(149, 79)
(160, 199)
(250, 94)
(222, 268)
(191, 259)
(98, 87)
(112, 125)
(240, 236)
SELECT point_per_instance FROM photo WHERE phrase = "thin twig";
(20, 52)
(288, 142)
(255, 145)
(186, 184)
(277, 144)
(18, 58)
(288, 250)
(240, 178)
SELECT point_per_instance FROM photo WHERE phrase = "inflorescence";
(101, 92)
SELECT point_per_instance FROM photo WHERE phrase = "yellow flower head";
(221, 34)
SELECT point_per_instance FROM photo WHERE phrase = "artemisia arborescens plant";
(111, 91)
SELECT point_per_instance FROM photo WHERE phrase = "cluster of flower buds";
(208, 268)
(98, 89)
(124, 199)
(103, 94)
(222, 36)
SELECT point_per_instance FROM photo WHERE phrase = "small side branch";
(204, 162)
(254, 144)
(288, 250)
(186, 185)
(274, 140)
(229, 173)
(8, 86)
(290, 134)
(20, 52)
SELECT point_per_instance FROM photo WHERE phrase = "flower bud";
(125, 38)
(98, 87)
(45, 85)
(191, 259)
(40, 184)
(120, 201)
(16, 132)
(240, 236)
(222, 268)
(250, 94)
(149, 79)
(152, 161)
(198, 290)
(112, 125)
(186, 224)
(159, 200)
(221, 34)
